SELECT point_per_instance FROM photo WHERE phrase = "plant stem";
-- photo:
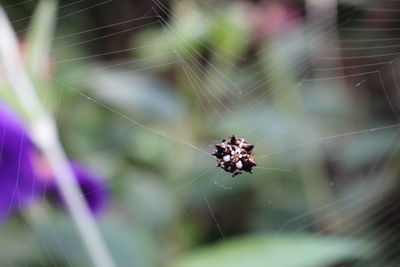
(44, 133)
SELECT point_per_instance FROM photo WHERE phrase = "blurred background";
(143, 90)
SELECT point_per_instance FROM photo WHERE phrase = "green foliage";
(288, 250)
(130, 118)
(60, 241)
(37, 50)
(40, 35)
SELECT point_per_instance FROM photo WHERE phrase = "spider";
(235, 155)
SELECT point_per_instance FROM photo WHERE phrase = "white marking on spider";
(227, 158)
(239, 164)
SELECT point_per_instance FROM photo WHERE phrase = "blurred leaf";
(229, 34)
(156, 47)
(61, 240)
(18, 248)
(280, 251)
(137, 93)
(38, 44)
(7, 96)
(182, 38)
(149, 204)
(148, 148)
(39, 37)
(355, 152)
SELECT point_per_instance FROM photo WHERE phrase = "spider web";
(319, 101)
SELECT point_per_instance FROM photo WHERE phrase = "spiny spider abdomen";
(235, 155)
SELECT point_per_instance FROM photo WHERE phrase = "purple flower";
(18, 184)
(25, 175)
(94, 191)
